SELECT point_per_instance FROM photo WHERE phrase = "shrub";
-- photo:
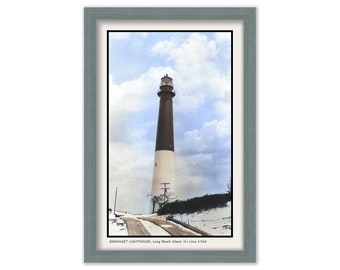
(196, 204)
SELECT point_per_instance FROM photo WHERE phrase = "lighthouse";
(163, 180)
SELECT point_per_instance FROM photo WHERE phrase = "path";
(170, 227)
(135, 227)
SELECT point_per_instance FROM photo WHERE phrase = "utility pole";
(165, 188)
(114, 208)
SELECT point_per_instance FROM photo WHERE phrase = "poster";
(203, 63)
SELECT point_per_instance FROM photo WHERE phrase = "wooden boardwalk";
(135, 227)
(170, 227)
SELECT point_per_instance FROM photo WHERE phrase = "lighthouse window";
(155, 164)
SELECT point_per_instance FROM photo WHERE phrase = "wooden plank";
(170, 227)
(135, 227)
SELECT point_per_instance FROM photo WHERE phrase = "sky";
(199, 63)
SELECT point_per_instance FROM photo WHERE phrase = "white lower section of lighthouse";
(163, 180)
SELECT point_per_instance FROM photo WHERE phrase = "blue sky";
(199, 63)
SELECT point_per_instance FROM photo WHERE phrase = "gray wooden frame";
(248, 15)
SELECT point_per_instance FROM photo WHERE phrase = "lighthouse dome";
(166, 85)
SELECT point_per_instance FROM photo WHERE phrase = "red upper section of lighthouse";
(165, 129)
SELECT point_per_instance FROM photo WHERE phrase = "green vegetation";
(196, 204)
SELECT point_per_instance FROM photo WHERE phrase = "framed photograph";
(170, 135)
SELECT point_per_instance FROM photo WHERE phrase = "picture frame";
(91, 159)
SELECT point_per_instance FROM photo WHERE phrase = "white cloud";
(200, 174)
(131, 171)
(132, 98)
(143, 34)
(223, 38)
(163, 47)
(215, 129)
(223, 109)
(136, 93)
(212, 136)
(125, 35)
(119, 35)
(203, 163)
(189, 181)
(193, 54)
(198, 77)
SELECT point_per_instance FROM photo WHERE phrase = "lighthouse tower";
(163, 180)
